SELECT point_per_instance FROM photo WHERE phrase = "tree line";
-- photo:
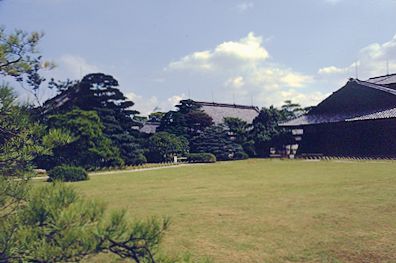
(103, 129)
(91, 124)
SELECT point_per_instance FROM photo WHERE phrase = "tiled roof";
(309, 119)
(317, 117)
(385, 114)
(383, 80)
(149, 127)
(219, 111)
(375, 86)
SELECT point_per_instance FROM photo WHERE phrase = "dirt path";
(129, 171)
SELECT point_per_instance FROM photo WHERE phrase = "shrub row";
(201, 158)
(67, 173)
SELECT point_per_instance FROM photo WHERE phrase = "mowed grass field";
(265, 210)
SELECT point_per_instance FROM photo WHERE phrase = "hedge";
(67, 173)
(201, 158)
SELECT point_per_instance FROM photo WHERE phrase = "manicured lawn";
(265, 210)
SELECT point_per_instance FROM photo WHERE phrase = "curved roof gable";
(356, 99)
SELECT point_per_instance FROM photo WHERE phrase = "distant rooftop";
(386, 80)
(219, 111)
(149, 127)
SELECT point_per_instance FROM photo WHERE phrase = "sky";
(233, 51)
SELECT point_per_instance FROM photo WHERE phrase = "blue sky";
(226, 50)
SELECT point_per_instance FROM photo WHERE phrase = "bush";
(67, 173)
(241, 156)
(201, 158)
(163, 146)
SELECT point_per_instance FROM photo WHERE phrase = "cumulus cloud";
(236, 82)
(332, 70)
(247, 71)
(148, 105)
(373, 60)
(232, 53)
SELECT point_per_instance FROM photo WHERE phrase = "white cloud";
(236, 82)
(372, 61)
(243, 69)
(173, 101)
(248, 48)
(243, 7)
(332, 70)
(73, 67)
(232, 53)
(147, 105)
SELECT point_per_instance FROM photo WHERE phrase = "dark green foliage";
(156, 116)
(17, 136)
(291, 110)
(57, 225)
(67, 173)
(99, 92)
(238, 129)
(239, 133)
(266, 133)
(249, 147)
(52, 223)
(89, 149)
(162, 146)
(241, 156)
(216, 140)
(188, 121)
(131, 148)
(201, 158)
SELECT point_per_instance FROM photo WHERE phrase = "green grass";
(265, 210)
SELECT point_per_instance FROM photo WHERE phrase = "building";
(149, 127)
(358, 120)
(217, 111)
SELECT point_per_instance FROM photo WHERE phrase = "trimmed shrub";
(67, 173)
(201, 158)
(241, 156)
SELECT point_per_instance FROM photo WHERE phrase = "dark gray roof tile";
(219, 111)
(385, 114)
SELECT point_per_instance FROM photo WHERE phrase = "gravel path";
(129, 171)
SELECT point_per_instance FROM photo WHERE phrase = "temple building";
(217, 111)
(358, 120)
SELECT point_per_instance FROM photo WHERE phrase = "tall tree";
(216, 140)
(99, 92)
(188, 120)
(239, 132)
(162, 146)
(292, 110)
(266, 133)
(52, 223)
(89, 148)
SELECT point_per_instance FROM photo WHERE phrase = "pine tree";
(266, 133)
(215, 140)
(188, 120)
(99, 92)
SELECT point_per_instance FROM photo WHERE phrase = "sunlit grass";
(265, 210)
